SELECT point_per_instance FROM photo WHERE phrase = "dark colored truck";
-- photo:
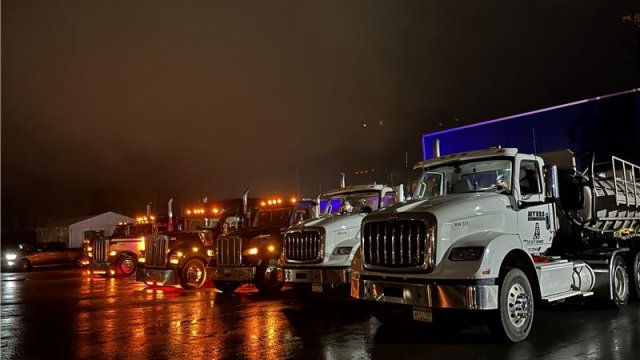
(176, 258)
(250, 255)
(28, 256)
(180, 258)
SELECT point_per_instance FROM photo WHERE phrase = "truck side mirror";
(551, 182)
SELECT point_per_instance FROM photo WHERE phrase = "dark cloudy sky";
(107, 105)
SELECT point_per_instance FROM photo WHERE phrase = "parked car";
(28, 256)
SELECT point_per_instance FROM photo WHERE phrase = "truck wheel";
(514, 317)
(634, 277)
(266, 279)
(193, 274)
(226, 286)
(392, 313)
(125, 265)
(619, 283)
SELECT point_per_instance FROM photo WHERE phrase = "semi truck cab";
(468, 240)
(250, 255)
(317, 254)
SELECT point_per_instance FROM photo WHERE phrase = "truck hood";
(459, 216)
(460, 204)
(333, 222)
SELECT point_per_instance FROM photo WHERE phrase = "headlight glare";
(11, 256)
(250, 251)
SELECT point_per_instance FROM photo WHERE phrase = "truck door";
(534, 215)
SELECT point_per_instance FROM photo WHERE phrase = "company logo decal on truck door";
(536, 216)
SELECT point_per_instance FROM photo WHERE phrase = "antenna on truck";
(535, 151)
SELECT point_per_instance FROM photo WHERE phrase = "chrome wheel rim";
(620, 285)
(518, 305)
(127, 266)
(194, 275)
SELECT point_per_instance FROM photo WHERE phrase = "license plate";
(316, 287)
(422, 314)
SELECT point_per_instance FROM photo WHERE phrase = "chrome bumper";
(471, 297)
(102, 268)
(320, 275)
(157, 277)
(233, 273)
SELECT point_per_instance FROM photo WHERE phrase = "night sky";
(109, 105)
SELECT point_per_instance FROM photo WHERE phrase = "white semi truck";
(497, 231)
(317, 253)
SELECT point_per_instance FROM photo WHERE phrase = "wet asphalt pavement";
(61, 314)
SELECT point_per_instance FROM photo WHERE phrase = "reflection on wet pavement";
(62, 314)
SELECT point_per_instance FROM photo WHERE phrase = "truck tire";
(634, 277)
(266, 278)
(226, 286)
(514, 317)
(193, 274)
(619, 282)
(125, 265)
(392, 313)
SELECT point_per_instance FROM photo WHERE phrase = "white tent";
(72, 231)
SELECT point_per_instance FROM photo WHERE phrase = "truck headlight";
(250, 251)
(141, 259)
(113, 253)
(174, 259)
(210, 253)
(11, 257)
(342, 250)
(470, 253)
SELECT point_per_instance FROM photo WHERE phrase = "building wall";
(106, 222)
(72, 234)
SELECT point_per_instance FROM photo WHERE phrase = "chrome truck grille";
(229, 250)
(304, 246)
(101, 250)
(155, 250)
(399, 244)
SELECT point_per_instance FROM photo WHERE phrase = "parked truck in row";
(499, 230)
(116, 255)
(181, 257)
(250, 255)
(317, 253)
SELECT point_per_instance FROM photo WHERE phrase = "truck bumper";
(233, 273)
(470, 297)
(102, 268)
(319, 275)
(158, 277)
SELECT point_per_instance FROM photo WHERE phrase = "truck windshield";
(197, 224)
(465, 176)
(267, 217)
(352, 202)
(132, 230)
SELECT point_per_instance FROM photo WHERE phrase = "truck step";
(567, 294)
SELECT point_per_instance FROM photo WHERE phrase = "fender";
(496, 247)
(128, 252)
